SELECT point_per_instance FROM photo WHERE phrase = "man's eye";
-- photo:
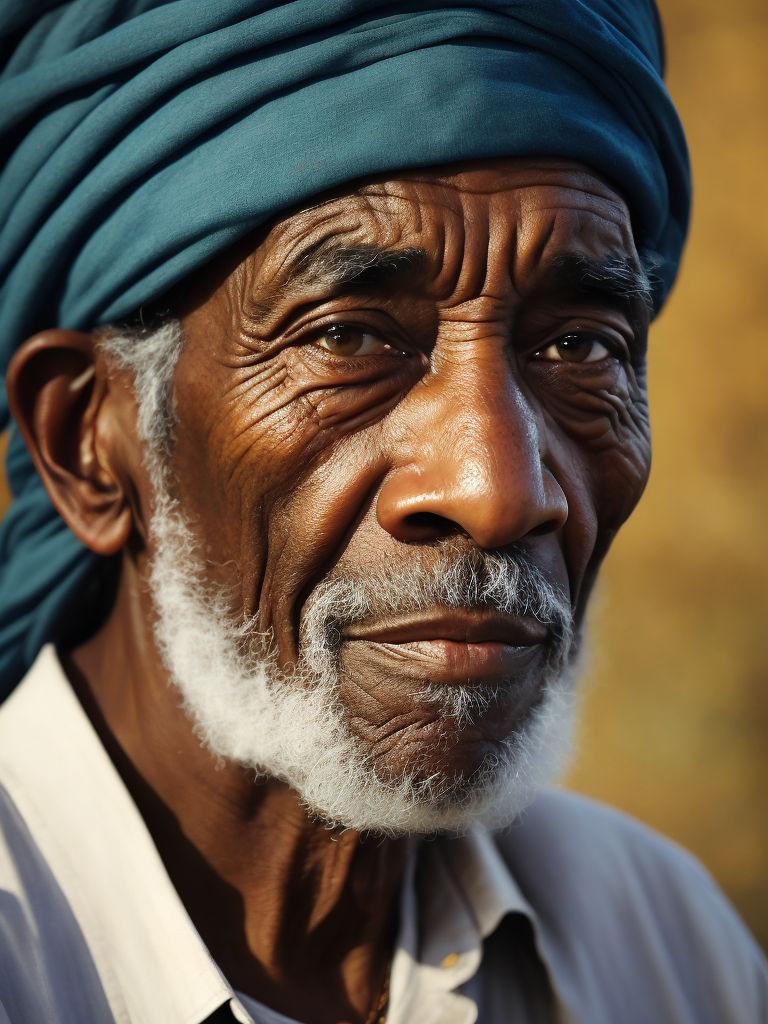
(574, 348)
(351, 341)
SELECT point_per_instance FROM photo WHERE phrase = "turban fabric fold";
(144, 137)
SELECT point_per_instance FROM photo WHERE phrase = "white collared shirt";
(577, 915)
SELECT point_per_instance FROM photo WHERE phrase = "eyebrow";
(330, 265)
(618, 276)
(361, 264)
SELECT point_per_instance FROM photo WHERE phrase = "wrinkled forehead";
(524, 212)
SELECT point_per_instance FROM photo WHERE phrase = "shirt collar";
(154, 967)
(455, 894)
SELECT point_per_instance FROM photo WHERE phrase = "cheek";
(277, 418)
(600, 453)
(284, 480)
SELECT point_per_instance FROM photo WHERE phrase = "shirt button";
(451, 960)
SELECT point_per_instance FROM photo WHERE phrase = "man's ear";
(73, 414)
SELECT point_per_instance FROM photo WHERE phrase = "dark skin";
(468, 383)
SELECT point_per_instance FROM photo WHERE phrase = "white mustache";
(505, 580)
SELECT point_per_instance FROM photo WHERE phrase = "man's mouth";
(458, 645)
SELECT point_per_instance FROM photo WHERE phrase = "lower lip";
(459, 661)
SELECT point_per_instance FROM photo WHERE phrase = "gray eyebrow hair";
(330, 265)
(615, 275)
(334, 265)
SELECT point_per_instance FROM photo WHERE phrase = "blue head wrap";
(145, 136)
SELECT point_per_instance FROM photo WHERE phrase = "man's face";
(414, 372)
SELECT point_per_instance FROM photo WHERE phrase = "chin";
(447, 751)
(445, 776)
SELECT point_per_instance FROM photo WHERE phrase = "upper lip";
(463, 625)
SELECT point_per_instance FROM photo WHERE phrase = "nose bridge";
(476, 462)
(485, 431)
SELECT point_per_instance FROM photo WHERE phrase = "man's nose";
(475, 465)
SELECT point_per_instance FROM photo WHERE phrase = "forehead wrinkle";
(307, 231)
(460, 275)
(262, 297)
(474, 260)
(503, 223)
(447, 200)
(444, 236)
(587, 208)
(546, 232)
(592, 200)
(422, 221)
(305, 242)
(532, 238)
(461, 233)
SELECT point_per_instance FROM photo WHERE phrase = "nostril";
(550, 526)
(420, 525)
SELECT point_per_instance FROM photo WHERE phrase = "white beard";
(292, 725)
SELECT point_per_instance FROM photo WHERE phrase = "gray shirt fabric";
(576, 915)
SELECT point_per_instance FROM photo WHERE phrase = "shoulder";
(583, 839)
(629, 916)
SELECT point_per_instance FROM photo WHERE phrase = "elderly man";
(331, 403)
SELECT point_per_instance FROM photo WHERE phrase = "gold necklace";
(378, 1014)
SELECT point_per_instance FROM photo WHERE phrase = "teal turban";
(143, 137)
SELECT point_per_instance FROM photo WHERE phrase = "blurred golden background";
(675, 715)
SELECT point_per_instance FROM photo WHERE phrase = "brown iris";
(574, 348)
(349, 341)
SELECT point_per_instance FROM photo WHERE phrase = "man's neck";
(298, 916)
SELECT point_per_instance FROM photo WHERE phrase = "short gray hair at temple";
(149, 354)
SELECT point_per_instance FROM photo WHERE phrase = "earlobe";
(66, 405)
